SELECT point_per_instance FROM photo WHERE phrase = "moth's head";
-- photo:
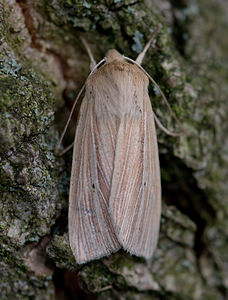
(113, 55)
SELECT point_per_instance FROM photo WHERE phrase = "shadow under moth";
(115, 188)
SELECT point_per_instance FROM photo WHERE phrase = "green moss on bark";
(30, 192)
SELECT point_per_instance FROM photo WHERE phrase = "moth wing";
(135, 201)
(90, 229)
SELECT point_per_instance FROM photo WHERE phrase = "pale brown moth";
(115, 189)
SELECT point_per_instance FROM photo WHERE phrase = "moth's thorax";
(117, 88)
(117, 70)
(113, 55)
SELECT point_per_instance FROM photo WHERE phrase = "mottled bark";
(42, 66)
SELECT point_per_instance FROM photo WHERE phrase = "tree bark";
(42, 67)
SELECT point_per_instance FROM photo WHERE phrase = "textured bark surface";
(42, 66)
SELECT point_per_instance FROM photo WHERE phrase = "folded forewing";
(135, 200)
(90, 228)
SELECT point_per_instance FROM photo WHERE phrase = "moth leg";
(141, 55)
(92, 60)
(167, 131)
(67, 149)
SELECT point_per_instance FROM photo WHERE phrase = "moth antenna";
(163, 96)
(75, 102)
(97, 65)
(69, 118)
(92, 60)
(141, 55)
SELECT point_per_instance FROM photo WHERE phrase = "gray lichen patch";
(27, 154)
(29, 186)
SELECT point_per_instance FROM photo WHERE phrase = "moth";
(115, 187)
